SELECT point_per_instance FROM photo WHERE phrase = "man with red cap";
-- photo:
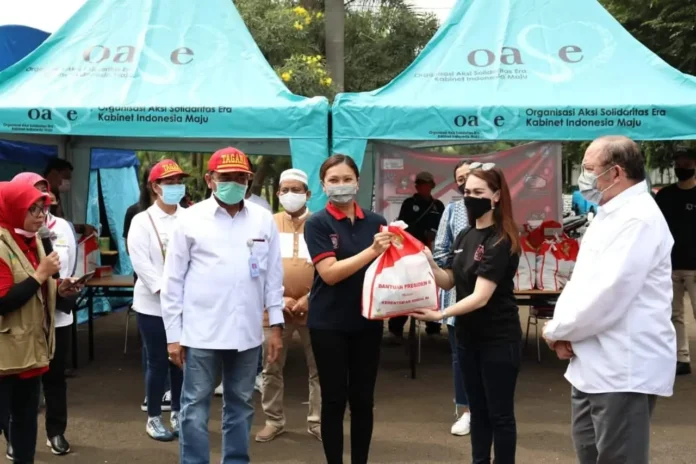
(223, 268)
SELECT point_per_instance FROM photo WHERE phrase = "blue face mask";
(172, 194)
(230, 193)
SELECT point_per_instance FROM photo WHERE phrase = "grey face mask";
(587, 184)
(341, 194)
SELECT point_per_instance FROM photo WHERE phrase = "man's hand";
(564, 350)
(177, 354)
(289, 304)
(551, 343)
(275, 344)
(301, 306)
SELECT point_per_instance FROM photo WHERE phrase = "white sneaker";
(218, 390)
(258, 383)
(462, 426)
(167, 401)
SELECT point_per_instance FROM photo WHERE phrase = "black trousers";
(54, 385)
(347, 363)
(490, 377)
(396, 326)
(19, 406)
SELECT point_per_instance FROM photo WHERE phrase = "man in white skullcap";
(297, 281)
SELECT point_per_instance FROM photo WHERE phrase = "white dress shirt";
(146, 256)
(209, 298)
(65, 244)
(616, 310)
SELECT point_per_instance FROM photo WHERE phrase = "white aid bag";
(400, 281)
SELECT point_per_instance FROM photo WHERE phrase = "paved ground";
(413, 417)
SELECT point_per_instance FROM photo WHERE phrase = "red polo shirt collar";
(338, 214)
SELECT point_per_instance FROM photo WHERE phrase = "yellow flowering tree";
(290, 37)
(307, 75)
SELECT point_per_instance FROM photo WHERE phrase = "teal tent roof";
(154, 68)
(524, 70)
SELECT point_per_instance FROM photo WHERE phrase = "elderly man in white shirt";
(613, 319)
(223, 268)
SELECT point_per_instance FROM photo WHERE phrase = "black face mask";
(477, 207)
(461, 188)
(684, 173)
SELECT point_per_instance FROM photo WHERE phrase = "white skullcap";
(294, 174)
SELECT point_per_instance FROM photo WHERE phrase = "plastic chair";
(536, 314)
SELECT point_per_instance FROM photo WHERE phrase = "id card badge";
(253, 267)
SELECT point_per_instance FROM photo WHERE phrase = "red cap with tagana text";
(229, 159)
(165, 168)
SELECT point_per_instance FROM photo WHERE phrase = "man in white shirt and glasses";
(223, 268)
(613, 319)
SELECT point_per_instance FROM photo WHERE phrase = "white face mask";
(25, 233)
(64, 186)
(293, 202)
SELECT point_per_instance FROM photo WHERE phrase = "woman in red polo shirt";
(343, 240)
(27, 306)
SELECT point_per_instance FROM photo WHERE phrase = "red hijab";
(15, 200)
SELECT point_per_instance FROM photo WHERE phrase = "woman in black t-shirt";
(482, 266)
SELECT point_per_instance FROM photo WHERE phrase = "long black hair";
(145, 199)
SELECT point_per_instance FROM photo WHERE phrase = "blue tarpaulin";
(17, 41)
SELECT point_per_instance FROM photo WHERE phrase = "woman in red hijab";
(27, 307)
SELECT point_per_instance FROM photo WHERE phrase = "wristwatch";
(281, 326)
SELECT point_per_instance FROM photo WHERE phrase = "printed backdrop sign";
(533, 173)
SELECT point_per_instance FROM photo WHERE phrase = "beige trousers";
(273, 385)
(682, 282)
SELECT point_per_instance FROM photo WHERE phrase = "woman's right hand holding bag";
(381, 242)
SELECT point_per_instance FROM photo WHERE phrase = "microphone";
(45, 236)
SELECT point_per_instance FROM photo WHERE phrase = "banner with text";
(533, 173)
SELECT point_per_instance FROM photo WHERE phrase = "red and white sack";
(399, 281)
(87, 255)
(525, 278)
(555, 262)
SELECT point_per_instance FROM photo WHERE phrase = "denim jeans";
(460, 397)
(158, 365)
(259, 367)
(201, 368)
(143, 361)
(490, 376)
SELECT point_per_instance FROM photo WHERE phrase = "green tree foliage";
(382, 42)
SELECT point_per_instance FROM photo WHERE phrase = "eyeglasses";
(37, 210)
(483, 166)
